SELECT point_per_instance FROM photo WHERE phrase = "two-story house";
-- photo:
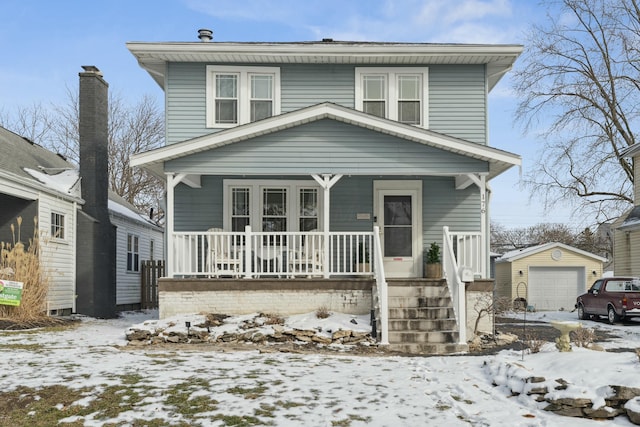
(319, 173)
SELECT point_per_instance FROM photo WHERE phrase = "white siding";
(58, 255)
(128, 283)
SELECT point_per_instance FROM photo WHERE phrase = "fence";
(152, 270)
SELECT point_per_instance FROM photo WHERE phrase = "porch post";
(484, 229)
(171, 183)
(326, 182)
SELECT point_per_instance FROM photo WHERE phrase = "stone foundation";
(244, 296)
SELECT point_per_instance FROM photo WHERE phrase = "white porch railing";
(461, 251)
(271, 254)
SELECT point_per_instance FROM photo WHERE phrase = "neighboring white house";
(38, 184)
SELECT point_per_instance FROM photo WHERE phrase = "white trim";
(391, 75)
(244, 91)
(402, 187)
(255, 186)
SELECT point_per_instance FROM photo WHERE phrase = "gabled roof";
(499, 160)
(532, 250)
(154, 57)
(27, 163)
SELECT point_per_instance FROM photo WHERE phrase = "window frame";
(256, 206)
(243, 92)
(133, 253)
(391, 75)
(59, 226)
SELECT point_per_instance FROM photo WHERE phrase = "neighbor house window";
(57, 226)
(133, 254)
(394, 93)
(238, 95)
(274, 209)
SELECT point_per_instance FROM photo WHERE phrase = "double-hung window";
(395, 93)
(239, 95)
(57, 226)
(133, 253)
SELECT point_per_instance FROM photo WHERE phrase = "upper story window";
(395, 93)
(239, 95)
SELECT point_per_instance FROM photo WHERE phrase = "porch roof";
(498, 160)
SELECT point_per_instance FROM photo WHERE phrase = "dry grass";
(22, 263)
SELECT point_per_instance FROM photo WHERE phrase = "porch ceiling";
(498, 160)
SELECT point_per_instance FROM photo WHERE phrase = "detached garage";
(546, 277)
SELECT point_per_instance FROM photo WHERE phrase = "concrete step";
(429, 349)
(434, 337)
(418, 291)
(422, 313)
(417, 302)
(422, 325)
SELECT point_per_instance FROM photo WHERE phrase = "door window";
(397, 226)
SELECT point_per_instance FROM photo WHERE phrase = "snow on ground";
(321, 389)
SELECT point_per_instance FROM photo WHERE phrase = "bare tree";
(503, 239)
(579, 82)
(32, 122)
(132, 128)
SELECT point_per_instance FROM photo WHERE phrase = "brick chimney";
(96, 242)
(94, 140)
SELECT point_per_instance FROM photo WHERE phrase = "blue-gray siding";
(326, 146)
(457, 99)
(198, 209)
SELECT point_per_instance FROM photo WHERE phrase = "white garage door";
(555, 288)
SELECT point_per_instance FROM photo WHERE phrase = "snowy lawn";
(84, 376)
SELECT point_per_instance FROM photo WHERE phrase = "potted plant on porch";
(433, 267)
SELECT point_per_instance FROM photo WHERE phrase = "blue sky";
(45, 43)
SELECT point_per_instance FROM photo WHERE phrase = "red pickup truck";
(615, 297)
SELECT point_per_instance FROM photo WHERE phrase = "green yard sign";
(10, 292)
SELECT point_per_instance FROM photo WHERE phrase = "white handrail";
(381, 286)
(455, 284)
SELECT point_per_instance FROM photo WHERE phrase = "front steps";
(421, 317)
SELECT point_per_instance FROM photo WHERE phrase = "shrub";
(323, 313)
(534, 343)
(583, 337)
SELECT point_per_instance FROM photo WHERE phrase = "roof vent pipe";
(205, 35)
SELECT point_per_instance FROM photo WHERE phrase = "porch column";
(172, 181)
(326, 182)
(484, 229)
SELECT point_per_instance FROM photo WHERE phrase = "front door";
(398, 207)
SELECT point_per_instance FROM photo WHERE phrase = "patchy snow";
(322, 389)
(64, 182)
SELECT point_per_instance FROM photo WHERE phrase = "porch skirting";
(277, 296)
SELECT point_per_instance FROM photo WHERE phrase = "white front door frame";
(401, 266)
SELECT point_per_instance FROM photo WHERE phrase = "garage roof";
(531, 250)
